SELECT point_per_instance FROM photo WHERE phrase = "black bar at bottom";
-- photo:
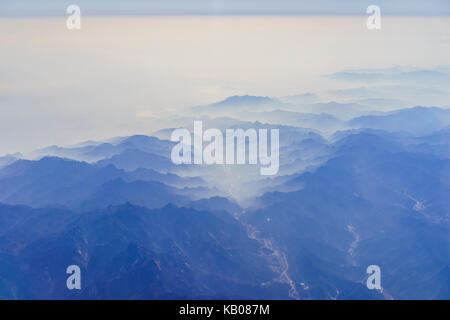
(226, 309)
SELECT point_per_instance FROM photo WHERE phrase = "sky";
(226, 7)
(120, 75)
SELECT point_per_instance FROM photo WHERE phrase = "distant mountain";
(51, 181)
(87, 152)
(403, 92)
(438, 137)
(323, 122)
(132, 159)
(239, 103)
(56, 181)
(149, 194)
(220, 123)
(147, 144)
(152, 195)
(8, 159)
(305, 98)
(242, 107)
(164, 133)
(418, 120)
(96, 151)
(424, 76)
(382, 103)
(343, 111)
(436, 143)
(414, 76)
(166, 178)
(411, 94)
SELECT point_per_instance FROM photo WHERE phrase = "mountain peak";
(247, 99)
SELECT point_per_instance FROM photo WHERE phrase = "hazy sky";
(242, 7)
(118, 75)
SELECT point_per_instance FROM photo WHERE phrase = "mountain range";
(351, 192)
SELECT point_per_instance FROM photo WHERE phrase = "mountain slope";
(128, 252)
(418, 120)
(371, 204)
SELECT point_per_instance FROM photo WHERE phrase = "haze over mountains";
(357, 185)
